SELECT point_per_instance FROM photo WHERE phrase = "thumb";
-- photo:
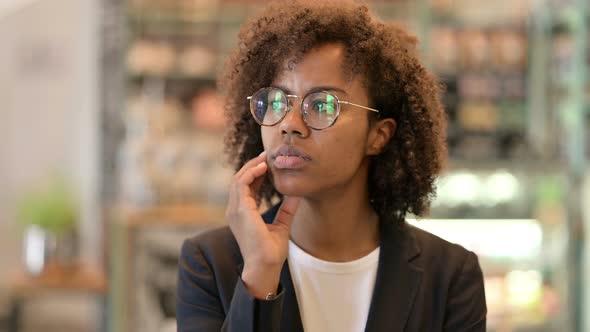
(287, 212)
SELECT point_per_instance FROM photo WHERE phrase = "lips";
(288, 157)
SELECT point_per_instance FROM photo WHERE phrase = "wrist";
(260, 282)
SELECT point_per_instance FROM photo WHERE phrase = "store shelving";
(502, 97)
(505, 162)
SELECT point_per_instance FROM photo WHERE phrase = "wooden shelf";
(78, 277)
(176, 214)
(175, 76)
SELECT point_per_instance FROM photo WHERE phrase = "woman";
(333, 115)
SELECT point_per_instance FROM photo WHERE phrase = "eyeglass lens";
(269, 106)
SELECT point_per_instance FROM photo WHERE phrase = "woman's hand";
(264, 247)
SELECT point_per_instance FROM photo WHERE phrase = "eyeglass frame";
(290, 106)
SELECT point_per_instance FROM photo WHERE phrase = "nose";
(293, 123)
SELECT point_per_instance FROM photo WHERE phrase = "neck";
(339, 225)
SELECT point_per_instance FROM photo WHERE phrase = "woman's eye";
(277, 106)
(318, 106)
(323, 107)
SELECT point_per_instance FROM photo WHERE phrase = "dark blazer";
(423, 283)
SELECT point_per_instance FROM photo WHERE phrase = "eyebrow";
(314, 89)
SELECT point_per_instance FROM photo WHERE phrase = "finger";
(251, 163)
(257, 184)
(248, 184)
(287, 211)
(245, 186)
(250, 175)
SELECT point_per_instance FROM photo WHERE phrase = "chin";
(292, 186)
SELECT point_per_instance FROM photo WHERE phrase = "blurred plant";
(53, 207)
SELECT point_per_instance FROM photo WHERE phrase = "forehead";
(322, 65)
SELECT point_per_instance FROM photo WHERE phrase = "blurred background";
(111, 153)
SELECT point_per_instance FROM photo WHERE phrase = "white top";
(333, 297)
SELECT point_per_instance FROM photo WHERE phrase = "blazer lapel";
(291, 321)
(397, 280)
(395, 288)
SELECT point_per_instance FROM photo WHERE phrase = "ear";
(379, 135)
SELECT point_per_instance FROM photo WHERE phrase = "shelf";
(532, 166)
(210, 77)
(176, 214)
(78, 277)
(459, 24)
(175, 17)
(170, 31)
(214, 16)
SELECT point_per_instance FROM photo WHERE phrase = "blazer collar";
(397, 279)
(395, 287)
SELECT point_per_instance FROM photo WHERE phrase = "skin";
(326, 210)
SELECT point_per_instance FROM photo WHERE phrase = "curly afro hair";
(402, 178)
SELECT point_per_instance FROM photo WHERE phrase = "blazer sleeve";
(199, 307)
(466, 309)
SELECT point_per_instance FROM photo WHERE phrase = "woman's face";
(305, 162)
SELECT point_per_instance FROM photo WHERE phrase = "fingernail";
(261, 153)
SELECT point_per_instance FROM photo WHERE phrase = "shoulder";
(211, 238)
(452, 273)
(441, 256)
(433, 245)
(218, 246)
(221, 239)
(214, 245)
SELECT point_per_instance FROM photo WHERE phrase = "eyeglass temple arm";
(353, 104)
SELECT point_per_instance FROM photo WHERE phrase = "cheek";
(266, 135)
(344, 154)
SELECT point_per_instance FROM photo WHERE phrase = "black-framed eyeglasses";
(320, 110)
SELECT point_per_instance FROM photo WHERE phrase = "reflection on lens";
(320, 110)
(269, 106)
